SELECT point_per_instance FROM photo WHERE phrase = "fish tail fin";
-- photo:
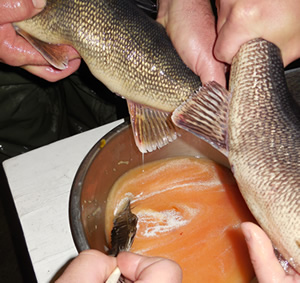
(152, 129)
(205, 115)
(56, 55)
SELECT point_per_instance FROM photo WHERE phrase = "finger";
(234, 28)
(15, 50)
(196, 48)
(51, 74)
(149, 269)
(90, 266)
(200, 43)
(191, 27)
(267, 267)
(228, 43)
(214, 71)
(17, 10)
(224, 9)
(162, 14)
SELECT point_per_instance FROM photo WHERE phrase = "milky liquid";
(189, 210)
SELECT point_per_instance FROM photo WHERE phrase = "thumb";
(148, 269)
(18, 10)
(90, 266)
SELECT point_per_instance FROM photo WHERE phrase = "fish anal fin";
(152, 129)
(205, 115)
(56, 55)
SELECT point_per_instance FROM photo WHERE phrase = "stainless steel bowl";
(111, 157)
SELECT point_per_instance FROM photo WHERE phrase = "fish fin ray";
(56, 55)
(205, 115)
(152, 128)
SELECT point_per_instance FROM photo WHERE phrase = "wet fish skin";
(264, 146)
(257, 125)
(126, 50)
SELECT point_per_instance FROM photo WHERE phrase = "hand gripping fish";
(257, 126)
(126, 50)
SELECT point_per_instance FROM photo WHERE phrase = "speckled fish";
(257, 126)
(126, 50)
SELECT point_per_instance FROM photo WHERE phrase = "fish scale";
(261, 138)
(122, 47)
(270, 153)
(125, 49)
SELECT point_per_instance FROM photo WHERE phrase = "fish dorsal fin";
(56, 55)
(152, 129)
(205, 115)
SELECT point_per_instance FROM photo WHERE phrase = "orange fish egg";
(189, 210)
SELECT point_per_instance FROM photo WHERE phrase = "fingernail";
(246, 232)
(39, 4)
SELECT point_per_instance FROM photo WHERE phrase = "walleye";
(257, 126)
(126, 50)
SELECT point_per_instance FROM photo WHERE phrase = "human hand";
(16, 51)
(149, 269)
(92, 266)
(266, 265)
(192, 29)
(242, 20)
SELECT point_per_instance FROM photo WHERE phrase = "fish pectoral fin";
(152, 129)
(56, 55)
(205, 115)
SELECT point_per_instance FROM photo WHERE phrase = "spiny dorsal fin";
(55, 55)
(205, 115)
(152, 129)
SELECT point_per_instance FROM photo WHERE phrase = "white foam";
(159, 222)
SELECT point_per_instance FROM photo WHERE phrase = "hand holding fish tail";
(242, 20)
(241, 125)
(266, 265)
(16, 51)
(191, 27)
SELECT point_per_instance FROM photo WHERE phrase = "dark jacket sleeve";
(34, 112)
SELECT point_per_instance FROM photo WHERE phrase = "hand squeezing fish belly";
(257, 126)
(126, 50)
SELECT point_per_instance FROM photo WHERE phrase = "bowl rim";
(76, 225)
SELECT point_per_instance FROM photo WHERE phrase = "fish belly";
(264, 145)
(124, 48)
